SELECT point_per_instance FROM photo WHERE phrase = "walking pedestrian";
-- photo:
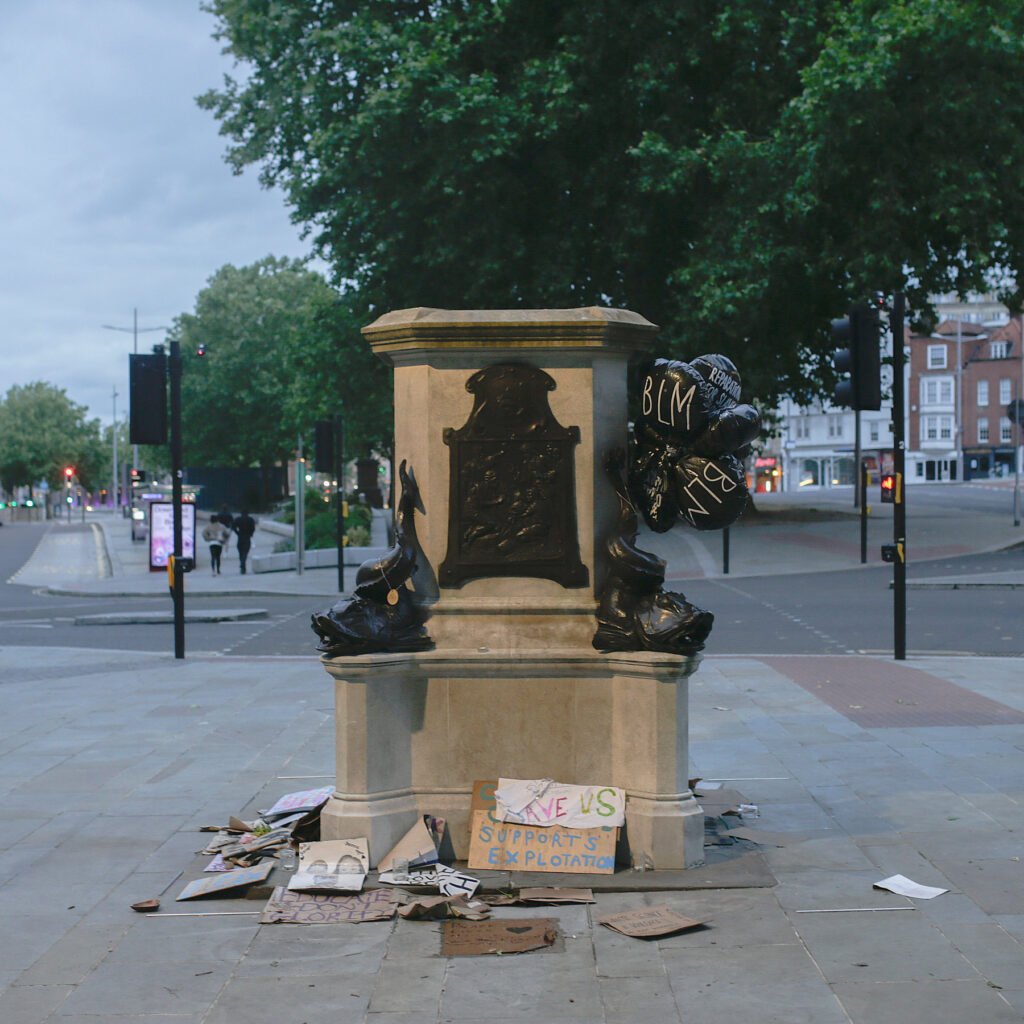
(216, 534)
(244, 526)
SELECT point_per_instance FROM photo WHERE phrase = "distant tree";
(281, 350)
(334, 371)
(735, 171)
(41, 433)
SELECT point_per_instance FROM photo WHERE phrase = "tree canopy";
(42, 432)
(735, 171)
(278, 354)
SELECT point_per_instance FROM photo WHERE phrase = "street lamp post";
(113, 434)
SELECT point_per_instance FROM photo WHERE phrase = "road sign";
(1015, 411)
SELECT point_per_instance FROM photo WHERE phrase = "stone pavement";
(109, 763)
(860, 767)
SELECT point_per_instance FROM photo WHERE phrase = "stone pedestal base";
(414, 731)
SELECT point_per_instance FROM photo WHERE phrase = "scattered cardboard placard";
(480, 938)
(223, 880)
(511, 847)
(318, 908)
(432, 908)
(556, 894)
(649, 922)
(415, 849)
(334, 864)
(546, 803)
(420, 878)
(453, 883)
(541, 895)
(302, 801)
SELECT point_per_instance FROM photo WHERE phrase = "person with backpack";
(244, 526)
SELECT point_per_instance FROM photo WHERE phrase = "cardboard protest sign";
(478, 938)
(226, 880)
(304, 800)
(419, 879)
(545, 803)
(451, 882)
(416, 849)
(432, 908)
(339, 864)
(649, 922)
(316, 908)
(514, 847)
(551, 894)
(482, 798)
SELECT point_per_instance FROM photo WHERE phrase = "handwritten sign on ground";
(339, 864)
(482, 797)
(415, 849)
(547, 894)
(510, 847)
(451, 882)
(304, 800)
(649, 922)
(226, 880)
(545, 802)
(478, 938)
(313, 908)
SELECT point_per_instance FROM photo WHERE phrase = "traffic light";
(323, 443)
(138, 476)
(888, 488)
(69, 472)
(857, 354)
(147, 392)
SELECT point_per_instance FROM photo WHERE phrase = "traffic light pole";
(178, 586)
(899, 512)
(339, 463)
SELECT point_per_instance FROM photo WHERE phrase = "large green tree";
(42, 432)
(735, 170)
(277, 344)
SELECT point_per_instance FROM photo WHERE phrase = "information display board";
(161, 533)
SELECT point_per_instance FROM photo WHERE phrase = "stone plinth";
(414, 731)
(434, 352)
(514, 687)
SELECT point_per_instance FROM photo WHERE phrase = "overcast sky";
(113, 190)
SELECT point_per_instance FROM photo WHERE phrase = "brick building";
(993, 377)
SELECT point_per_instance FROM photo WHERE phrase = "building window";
(982, 392)
(936, 428)
(835, 425)
(873, 430)
(1005, 430)
(982, 429)
(998, 349)
(1004, 392)
(936, 390)
(936, 357)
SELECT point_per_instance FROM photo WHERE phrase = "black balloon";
(690, 435)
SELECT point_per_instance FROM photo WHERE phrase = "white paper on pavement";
(543, 802)
(903, 886)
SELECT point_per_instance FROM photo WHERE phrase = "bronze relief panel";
(512, 501)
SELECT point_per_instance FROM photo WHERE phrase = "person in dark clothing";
(244, 526)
